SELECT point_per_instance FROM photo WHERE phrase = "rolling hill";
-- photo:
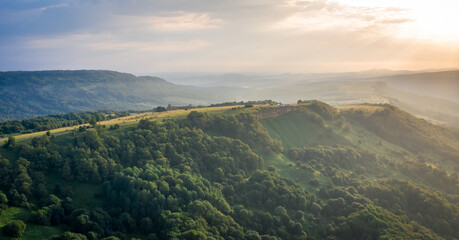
(443, 84)
(430, 94)
(302, 171)
(29, 94)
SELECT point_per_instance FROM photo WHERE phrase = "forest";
(50, 122)
(373, 172)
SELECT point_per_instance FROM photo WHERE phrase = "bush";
(14, 229)
(3, 201)
(69, 236)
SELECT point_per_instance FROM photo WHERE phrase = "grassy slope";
(32, 231)
(129, 120)
(296, 129)
(85, 197)
(85, 194)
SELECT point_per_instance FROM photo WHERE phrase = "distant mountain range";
(435, 84)
(432, 95)
(28, 94)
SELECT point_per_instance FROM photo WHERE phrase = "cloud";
(176, 21)
(209, 35)
(54, 6)
(328, 16)
(154, 46)
(108, 42)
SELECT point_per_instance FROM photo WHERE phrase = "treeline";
(245, 103)
(347, 157)
(56, 121)
(262, 102)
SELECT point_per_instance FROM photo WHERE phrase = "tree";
(22, 182)
(17, 199)
(197, 119)
(160, 109)
(57, 189)
(252, 235)
(11, 142)
(92, 121)
(5, 173)
(146, 225)
(127, 222)
(3, 201)
(69, 236)
(111, 238)
(42, 216)
(14, 229)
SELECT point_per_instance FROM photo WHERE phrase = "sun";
(437, 21)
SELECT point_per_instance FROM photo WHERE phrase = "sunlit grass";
(370, 108)
(173, 114)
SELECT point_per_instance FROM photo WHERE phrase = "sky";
(259, 36)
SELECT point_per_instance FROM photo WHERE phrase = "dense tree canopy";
(213, 177)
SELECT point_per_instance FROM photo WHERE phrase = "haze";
(228, 36)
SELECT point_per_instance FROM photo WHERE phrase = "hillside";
(443, 84)
(30, 94)
(364, 91)
(303, 171)
(430, 95)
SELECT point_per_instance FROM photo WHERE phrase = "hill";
(30, 94)
(428, 94)
(443, 84)
(302, 171)
(354, 92)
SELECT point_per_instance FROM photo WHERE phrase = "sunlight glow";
(431, 20)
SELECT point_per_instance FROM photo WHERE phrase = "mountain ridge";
(29, 94)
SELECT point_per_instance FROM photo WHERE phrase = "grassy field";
(370, 108)
(296, 129)
(173, 114)
(287, 169)
(88, 193)
(32, 231)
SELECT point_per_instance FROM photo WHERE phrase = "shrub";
(14, 229)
